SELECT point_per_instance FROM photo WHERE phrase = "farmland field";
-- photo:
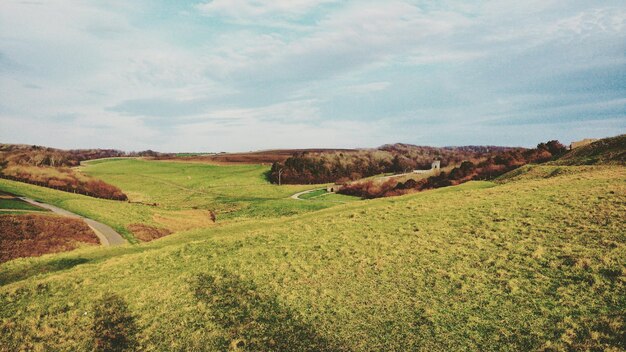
(534, 261)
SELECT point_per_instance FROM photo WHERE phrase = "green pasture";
(176, 190)
(536, 261)
(16, 204)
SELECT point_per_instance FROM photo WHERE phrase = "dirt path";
(107, 236)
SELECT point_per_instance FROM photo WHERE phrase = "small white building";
(582, 143)
(434, 167)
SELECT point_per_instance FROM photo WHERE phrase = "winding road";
(297, 195)
(107, 236)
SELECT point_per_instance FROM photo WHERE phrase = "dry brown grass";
(148, 233)
(32, 235)
(184, 219)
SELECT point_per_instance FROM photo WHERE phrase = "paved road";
(107, 236)
(297, 195)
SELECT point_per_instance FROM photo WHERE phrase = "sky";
(239, 75)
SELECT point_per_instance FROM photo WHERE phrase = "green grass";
(601, 152)
(535, 262)
(16, 204)
(184, 194)
(313, 194)
(15, 212)
(231, 191)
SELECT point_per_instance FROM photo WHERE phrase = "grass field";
(533, 262)
(16, 204)
(231, 191)
(176, 196)
(314, 194)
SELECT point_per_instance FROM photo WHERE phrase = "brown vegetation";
(147, 233)
(49, 167)
(489, 168)
(259, 157)
(31, 235)
(605, 151)
(63, 179)
(331, 166)
(34, 155)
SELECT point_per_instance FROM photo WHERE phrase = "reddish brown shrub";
(32, 235)
(491, 167)
(148, 233)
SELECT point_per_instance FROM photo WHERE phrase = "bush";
(493, 166)
(64, 179)
(332, 166)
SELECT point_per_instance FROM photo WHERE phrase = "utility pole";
(280, 172)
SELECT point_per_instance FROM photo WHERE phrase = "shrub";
(493, 166)
(332, 166)
(64, 179)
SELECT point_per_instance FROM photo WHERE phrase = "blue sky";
(237, 75)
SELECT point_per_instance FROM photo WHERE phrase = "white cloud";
(367, 87)
(111, 73)
(267, 12)
(364, 34)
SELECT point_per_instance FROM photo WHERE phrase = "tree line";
(50, 167)
(343, 166)
(486, 169)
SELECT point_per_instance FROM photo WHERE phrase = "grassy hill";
(534, 262)
(177, 196)
(602, 152)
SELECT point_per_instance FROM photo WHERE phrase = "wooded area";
(493, 166)
(51, 167)
(343, 166)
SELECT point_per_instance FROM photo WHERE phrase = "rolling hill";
(604, 151)
(177, 196)
(534, 262)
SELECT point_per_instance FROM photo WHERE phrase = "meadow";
(534, 261)
(16, 204)
(176, 196)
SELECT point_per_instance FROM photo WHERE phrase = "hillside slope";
(537, 263)
(604, 151)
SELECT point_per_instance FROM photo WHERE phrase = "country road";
(297, 195)
(107, 236)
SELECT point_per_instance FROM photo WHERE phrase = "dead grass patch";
(32, 235)
(147, 233)
(184, 219)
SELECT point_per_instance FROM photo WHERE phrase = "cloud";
(352, 37)
(367, 87)
(268, 13)
(244, 74)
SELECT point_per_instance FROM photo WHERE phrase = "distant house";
(582, 143)
(333, 188)
(434, 167)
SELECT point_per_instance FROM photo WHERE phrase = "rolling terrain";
(257, 157)
(175, 196)
(604, 151)
(534, 261)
